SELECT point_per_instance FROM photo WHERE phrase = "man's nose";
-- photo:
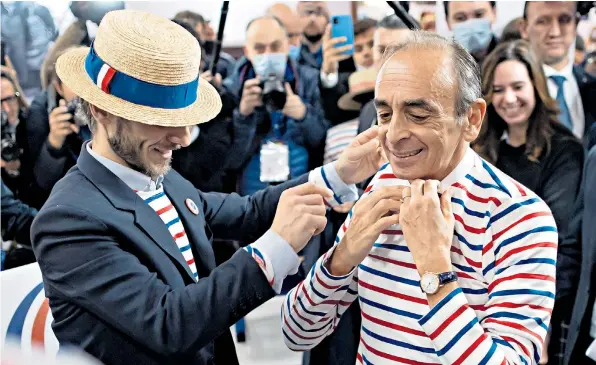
(397, 130)
(180, 136)
(555, 29)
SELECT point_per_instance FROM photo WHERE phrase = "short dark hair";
(528, 3)
(512, 31)
(267, 17)
(190, 17)
(189, 28)
(392, 22)
(364, 25)
(580, 45)
(446, 5)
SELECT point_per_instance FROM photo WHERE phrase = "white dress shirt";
(572, 96)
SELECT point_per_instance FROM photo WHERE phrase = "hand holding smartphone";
(343, 26)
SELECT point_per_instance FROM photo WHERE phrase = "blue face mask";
(270, 64)
(474, 35)
(294, 52)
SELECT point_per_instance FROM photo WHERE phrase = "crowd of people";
(295, 105)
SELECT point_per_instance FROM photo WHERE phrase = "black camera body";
(10, 148)
(274, 93)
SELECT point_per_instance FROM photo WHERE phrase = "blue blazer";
(119, 288)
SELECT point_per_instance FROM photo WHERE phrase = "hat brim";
(70, 67)
(348, 101)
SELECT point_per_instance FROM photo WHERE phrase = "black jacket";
(48, 164)
(576, 264)
(117, 284)
(587, 90)
(16, 218)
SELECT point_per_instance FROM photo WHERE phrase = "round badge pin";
(190, 204)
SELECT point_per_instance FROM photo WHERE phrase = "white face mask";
(268, 64)
(474, 35)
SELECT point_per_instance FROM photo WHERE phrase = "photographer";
(279, 118)
(55, 134)
(13, 134)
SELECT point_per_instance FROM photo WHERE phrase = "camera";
(10, 149)
(72, 107)
(274, 93)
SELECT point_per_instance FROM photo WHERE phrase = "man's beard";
(131, 152)
(313, 38)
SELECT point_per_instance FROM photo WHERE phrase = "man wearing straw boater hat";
(124, 244)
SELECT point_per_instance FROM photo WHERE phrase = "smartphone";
(343, 26)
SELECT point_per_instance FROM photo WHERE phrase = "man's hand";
(427, 223)
(216, 81)
(362, 158)
(301, 214)
(332, 55)
(60, 125)
(251, 97)
(294, 107)
(370, 217)
(344, 208)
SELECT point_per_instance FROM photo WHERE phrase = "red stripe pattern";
(504, 252)
(162, 205)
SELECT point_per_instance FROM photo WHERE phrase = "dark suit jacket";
(117, 284)
(587, 90)
(577, 262)
(16, 218)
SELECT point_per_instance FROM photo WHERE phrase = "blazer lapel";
(179, 191)
(123, 198)
(148, 220)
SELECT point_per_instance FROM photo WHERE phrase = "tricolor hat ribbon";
(133, 90)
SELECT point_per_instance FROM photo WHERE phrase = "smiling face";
(144, 148)
(416, 117)
(513, 93)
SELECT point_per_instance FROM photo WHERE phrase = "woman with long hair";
(522, 136)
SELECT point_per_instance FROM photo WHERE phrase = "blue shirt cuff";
(280, 255)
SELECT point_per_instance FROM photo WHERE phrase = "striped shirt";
(338, 138)
(161, 204)
(504, 252)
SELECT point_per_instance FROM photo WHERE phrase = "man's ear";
(101, 116)
(475, 117)
(523, 29)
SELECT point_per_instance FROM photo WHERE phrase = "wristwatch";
(431, 282)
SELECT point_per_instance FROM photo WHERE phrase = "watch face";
(429, 283)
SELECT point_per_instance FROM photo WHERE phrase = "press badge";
(275, 162)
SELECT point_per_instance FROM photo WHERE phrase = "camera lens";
(335, 21)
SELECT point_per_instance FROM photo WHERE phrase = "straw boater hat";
(143, 68)
(362, 88)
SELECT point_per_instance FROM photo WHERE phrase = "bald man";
(290, 20)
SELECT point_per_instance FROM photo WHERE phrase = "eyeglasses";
(12, 98)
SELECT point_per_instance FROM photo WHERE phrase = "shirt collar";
(567, 71)
(460, 171)
(135, 180)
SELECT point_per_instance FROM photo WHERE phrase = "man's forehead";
(539, 8)
(266, 30)
(407, 72)
(468, 6)
(311, 5)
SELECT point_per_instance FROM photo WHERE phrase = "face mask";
(294, 52)
(474, 35)
(270, 64)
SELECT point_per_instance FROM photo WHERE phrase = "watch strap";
(447, 277)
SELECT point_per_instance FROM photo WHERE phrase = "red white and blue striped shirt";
(504, 252)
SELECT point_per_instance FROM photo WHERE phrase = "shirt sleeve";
(329, 81)
(327, 176)
(519, 267)
(273, 254)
